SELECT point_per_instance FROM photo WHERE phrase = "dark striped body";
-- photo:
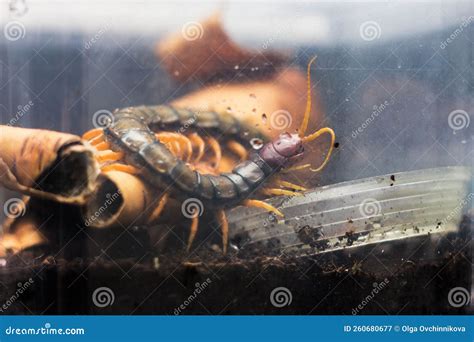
(132, 131)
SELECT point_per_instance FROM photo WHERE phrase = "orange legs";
(120, 167)
(179, 144)
(289, 185)
(216, 148)
(93, 133)
(224, 224)
(197, 141)
(106, 156)
(159, 209)
(192, 231)
(263, 205)
(279, 192)
(238, 149)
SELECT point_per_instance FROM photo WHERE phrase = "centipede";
(147, 141)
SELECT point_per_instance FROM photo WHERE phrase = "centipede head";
(288, 148)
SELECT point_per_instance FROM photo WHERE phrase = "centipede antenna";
(307, 113)
(314, 136)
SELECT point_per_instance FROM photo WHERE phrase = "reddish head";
(285, 150)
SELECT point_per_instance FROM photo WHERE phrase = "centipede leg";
(109, 156)
(120, 167)
(178, 141)
(238, 149)
(199, 143)
(224, 224)
(280, 192)
(216, 148)
(296, 168)
(192, 231)
(97, 140)
(187, 146)
(291, 185)
(263, 205)
(93, 133)
(159, 209)
(102, 146)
